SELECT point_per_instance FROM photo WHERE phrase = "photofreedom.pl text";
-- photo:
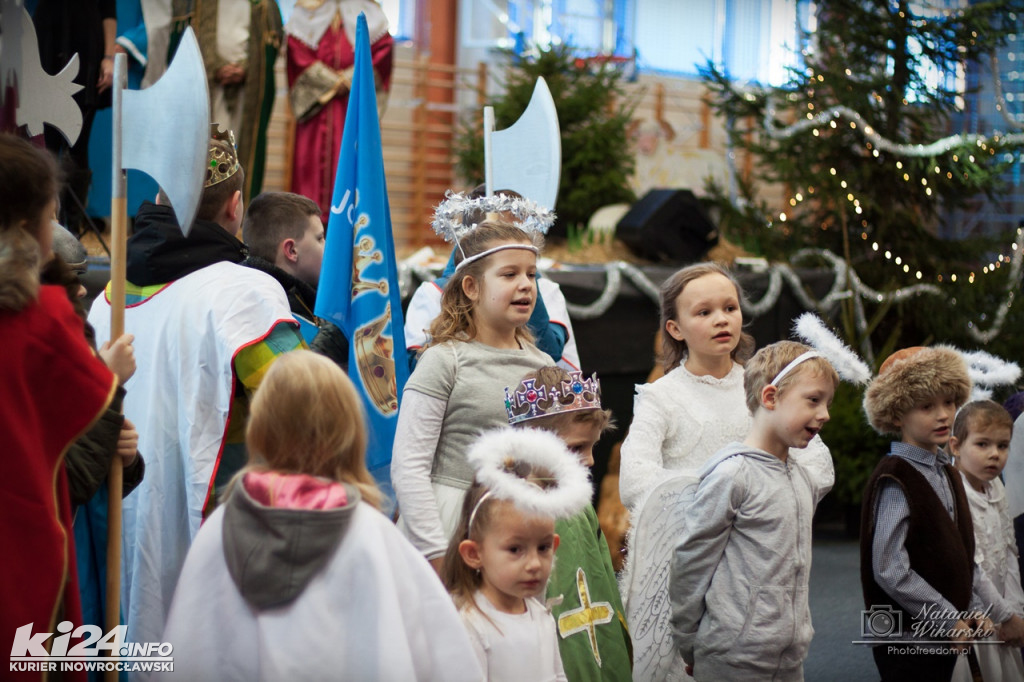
(97, 651)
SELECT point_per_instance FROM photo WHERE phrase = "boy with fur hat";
(917, 539)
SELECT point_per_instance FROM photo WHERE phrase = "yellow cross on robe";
(587, 616)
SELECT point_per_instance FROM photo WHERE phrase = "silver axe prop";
(41, 98)
(163, 131)
(527, 156)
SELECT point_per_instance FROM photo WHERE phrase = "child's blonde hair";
(978, 415)
(770, 360)
(552, 378)
(459, 579)
(673, 351)
(306, 418)
(455, 321)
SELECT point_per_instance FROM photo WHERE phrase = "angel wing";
(653, 536)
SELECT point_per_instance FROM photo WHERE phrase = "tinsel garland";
(935, 148)
(778, 275)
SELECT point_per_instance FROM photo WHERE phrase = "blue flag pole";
(359, 289)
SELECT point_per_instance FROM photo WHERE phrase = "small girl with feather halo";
(499, 560)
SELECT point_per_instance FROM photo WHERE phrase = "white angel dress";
(995, 550)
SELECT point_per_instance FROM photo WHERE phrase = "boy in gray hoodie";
(739, 574)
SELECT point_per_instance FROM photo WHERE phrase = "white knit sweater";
(679, 421)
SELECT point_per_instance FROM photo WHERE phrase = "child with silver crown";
(583, 593)
(460, 212)
(479, 343)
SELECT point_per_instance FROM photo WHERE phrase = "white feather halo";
(987, 371)
(847, 364)
(496, 455)
(449, 223)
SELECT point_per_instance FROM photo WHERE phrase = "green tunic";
(591, 623)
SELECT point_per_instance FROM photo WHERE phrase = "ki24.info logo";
(97, 651)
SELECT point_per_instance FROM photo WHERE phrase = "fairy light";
(875, 144)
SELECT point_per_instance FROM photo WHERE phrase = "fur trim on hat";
(19, 269)
(910, 381)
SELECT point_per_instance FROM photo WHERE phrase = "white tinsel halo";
(987, 371)
(448, 216)
(496, 454)
(847, 364)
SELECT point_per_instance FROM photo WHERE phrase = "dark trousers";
(914, 662)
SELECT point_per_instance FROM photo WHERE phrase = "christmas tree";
(861, 145)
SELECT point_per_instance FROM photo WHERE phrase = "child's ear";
(554, 543)
(672, 327)
(469, 550)
(954, 446)
(470, 287)
(769, 396)
(234, 204)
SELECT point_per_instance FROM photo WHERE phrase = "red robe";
(318, 139)
(52, 389)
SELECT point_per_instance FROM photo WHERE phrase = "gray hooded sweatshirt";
(739, 575)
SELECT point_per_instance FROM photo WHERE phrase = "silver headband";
(496, 249)
(791, 366)
(476, 508)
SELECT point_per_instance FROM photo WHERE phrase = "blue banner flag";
(359, 279)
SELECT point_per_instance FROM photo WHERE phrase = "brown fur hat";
(911, 376)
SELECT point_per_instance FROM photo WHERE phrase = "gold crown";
(222, 157)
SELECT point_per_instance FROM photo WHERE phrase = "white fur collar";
(309, 25)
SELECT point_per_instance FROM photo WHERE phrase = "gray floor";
(836, 605)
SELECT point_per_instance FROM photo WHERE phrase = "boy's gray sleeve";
(700, 549)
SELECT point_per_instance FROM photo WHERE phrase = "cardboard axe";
(38, 97)
(163, 131)
(527, 156)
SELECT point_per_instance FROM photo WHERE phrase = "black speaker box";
(668, 225)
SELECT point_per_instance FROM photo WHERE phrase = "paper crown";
(529, 401)
(222, 157)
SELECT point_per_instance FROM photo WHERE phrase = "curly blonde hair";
(455, 321)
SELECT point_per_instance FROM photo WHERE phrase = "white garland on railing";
(778, 275)
(612, 286)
